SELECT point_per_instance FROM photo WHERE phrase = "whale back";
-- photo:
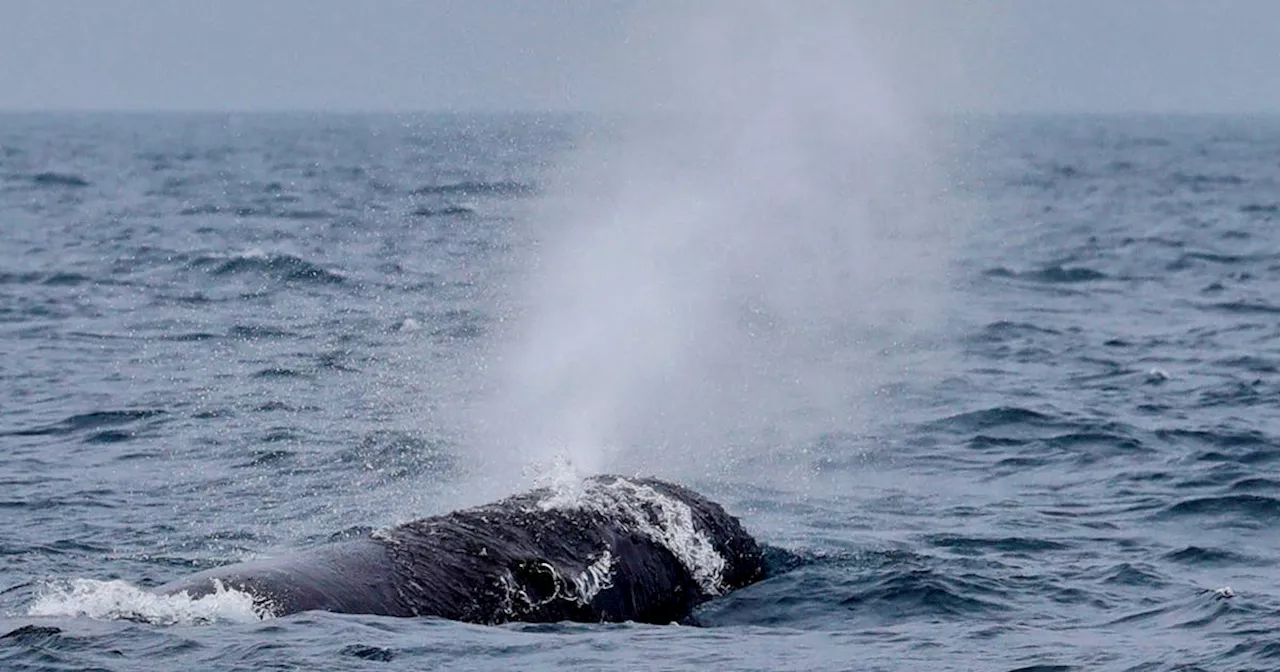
(619, 549)
(353, 577)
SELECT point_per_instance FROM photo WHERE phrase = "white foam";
(120, 600)
(561, 477)
(582, 588)
(596, 577)
(662, 519)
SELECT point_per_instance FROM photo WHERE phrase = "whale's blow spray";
(721, 271)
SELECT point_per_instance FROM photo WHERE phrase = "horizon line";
(480, 111)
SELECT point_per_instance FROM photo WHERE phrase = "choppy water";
(225, 337)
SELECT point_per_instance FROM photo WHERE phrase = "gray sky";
(1004, 55)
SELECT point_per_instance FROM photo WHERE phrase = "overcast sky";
(1003, 55)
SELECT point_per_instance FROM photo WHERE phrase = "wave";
(1258, 507)
(393, 455)
(1004, 330)
(1206, 178)
(869, 585)
(983, 442)
(1198, 555)
(302, 215)
(446, 211)
(1185, 261)
(87, 421)
(926, 593)
(464, 331)
(368, 652)
(250, 332)
(263, 457)
(119, 600)
(33, 635)
(1048, 175)
(1004, 327)
(1254, 484)
(286, 267)
(980, 545)
(55, 278)
(1250, 363)
(1199, 182)
(54, 179)
(1153, 241)
(111, 436)
(1256, 392)
(1000, 416)
(1257, 307)
(1094, 438)
(188, 337)
(1190, 259)
(1129, 574)
(254, 211)
(280, 372)
(1216, 439)
(500, 188)
(212, 209)
(1050, 274)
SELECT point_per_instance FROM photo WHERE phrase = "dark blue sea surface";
(223, 337)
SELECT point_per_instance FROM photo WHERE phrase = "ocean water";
(223, 337)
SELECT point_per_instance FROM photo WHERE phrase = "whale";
(611, 549)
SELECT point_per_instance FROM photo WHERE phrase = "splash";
(119, 600)
(720, 278)
(664, 520)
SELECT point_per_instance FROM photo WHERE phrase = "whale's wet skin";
(619, 550)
